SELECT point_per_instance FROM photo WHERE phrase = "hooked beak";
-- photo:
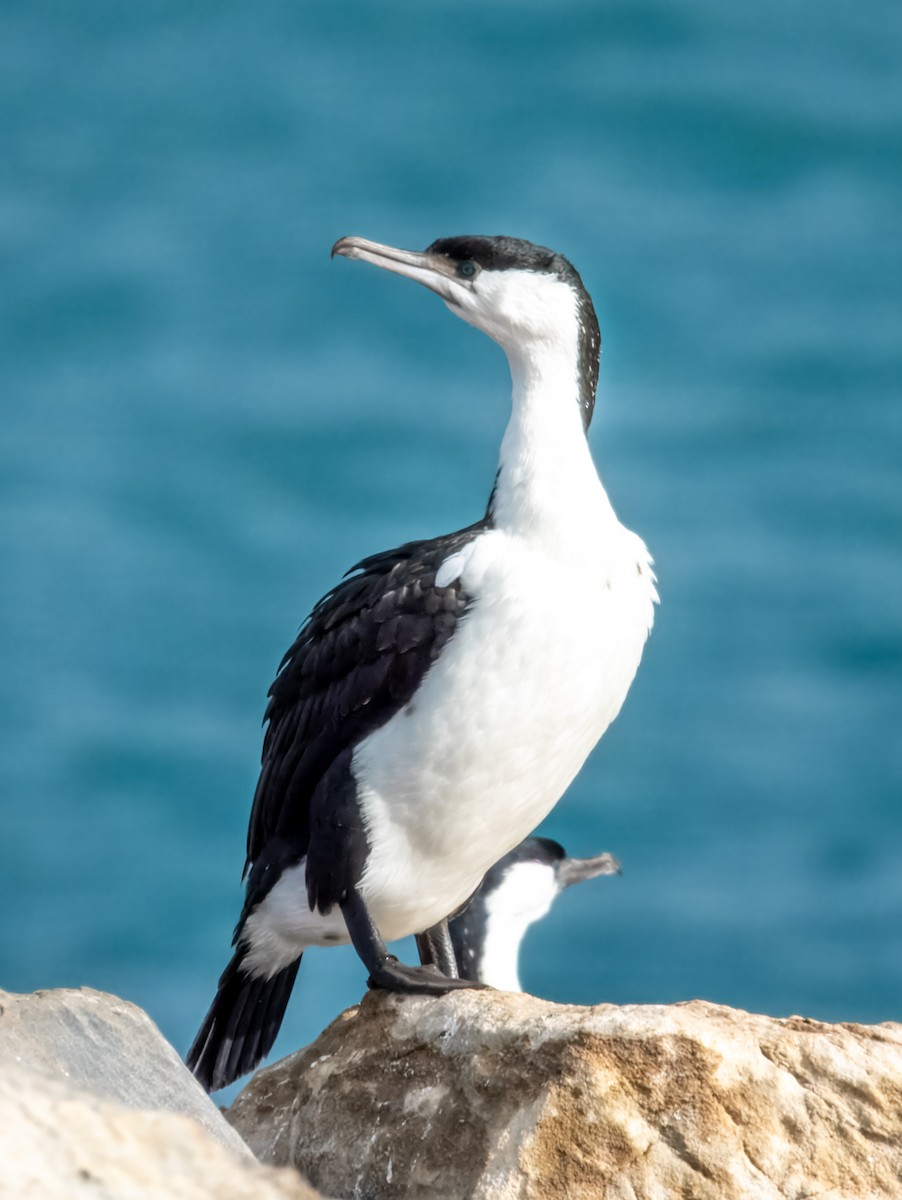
(434, 271)
(575, 870)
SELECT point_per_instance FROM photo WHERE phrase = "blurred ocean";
(205, 422)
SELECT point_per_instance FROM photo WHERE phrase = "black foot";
(385, 970)
(394, 976)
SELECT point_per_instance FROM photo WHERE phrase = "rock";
(80, 1075)
(106, 1046)
(487, 1094)
(59, 1143)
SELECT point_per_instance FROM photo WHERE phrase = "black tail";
(241, 1026)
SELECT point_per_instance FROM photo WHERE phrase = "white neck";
(547, 481)
(525, 895)
(499, 967)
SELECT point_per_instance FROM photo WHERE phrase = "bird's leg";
(424, 949)
(385, 970)
(435, 946)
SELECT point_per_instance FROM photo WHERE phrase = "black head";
(542, 851)
(504, 254)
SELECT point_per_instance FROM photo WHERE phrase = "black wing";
(359, 659)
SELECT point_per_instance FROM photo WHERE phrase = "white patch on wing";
(452, 568)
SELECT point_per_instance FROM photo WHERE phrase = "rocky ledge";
(487, 1094)
(475, 1095)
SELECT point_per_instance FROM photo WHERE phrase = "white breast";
(535, 673)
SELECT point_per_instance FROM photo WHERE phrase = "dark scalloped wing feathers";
(359, 659)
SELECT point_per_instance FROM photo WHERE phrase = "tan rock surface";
(504, 1096)
(59, 1143)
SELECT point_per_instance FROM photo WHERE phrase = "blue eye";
(466, 270)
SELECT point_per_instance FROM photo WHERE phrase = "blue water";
(204, 422)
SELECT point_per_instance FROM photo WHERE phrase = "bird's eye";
(467, 269)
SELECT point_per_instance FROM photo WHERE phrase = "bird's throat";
(547, 481)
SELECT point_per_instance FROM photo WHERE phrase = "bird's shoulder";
(388, 605)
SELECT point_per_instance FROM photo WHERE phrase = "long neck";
(499, 965)
(547, 482)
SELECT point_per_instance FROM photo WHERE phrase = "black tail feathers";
(241, 1026)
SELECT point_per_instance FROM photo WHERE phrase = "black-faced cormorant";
(439, 701)
(516, 892)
